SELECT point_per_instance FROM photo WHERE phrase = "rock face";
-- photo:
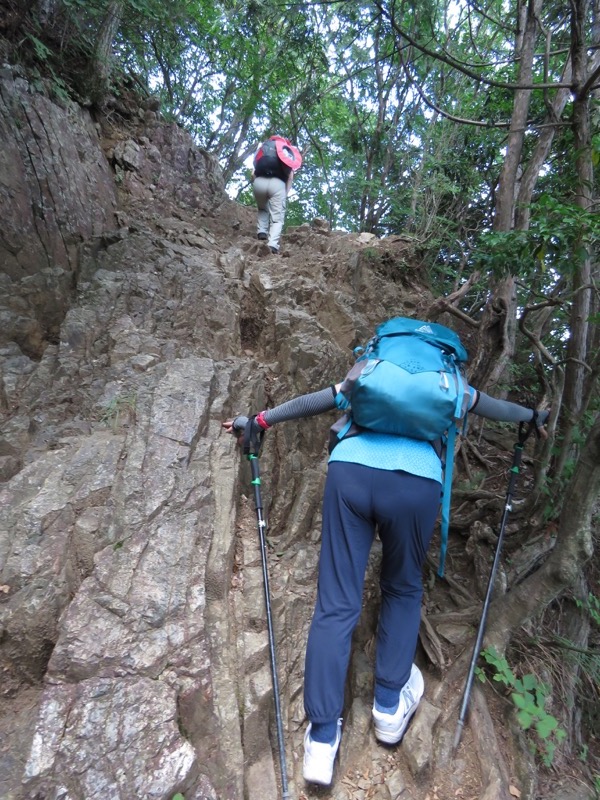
(138, 312)
(57, 190)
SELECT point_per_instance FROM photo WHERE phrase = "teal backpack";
(408, 381)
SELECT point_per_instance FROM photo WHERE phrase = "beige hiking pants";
(271, 199)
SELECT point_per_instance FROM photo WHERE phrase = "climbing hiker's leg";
(277, 206)
(261, 195)
(348, 532)
(406, 509)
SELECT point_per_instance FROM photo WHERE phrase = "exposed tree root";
(494, 770)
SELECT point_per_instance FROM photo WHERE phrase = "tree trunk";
(101, 64)
(540, 153)
(576, 371)
(506, 195)
(499, 320)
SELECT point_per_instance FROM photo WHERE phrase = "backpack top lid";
(432, 332)
(287, 153)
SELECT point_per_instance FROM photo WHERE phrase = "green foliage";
(563, 234)
(529, 697)
(499, 253)
(119, 408)
(560, 237)
(592, 607)
(178, 796)
(596, 150)
(475, 482)
(41, 50)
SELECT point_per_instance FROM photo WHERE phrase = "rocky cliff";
(137, 312)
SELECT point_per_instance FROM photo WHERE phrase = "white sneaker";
(389, 728)
(319, 757)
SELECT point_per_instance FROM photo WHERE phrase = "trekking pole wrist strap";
(534, 423)
(526, 428)
(260, 420)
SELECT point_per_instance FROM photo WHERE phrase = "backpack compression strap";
(462, 402)
(446, 495)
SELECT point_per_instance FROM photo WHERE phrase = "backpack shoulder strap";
(460, 415)
(342, 398)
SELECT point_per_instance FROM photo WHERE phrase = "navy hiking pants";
(359, 500)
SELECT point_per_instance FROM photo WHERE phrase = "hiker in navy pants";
(404, 508)
(391, 485)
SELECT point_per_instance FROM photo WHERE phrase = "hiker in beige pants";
(271, 199)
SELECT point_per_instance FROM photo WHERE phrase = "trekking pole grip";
(253, 437)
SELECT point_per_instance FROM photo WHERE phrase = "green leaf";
(548, 754)
(525, 701)
(524, 719)
(41, 50)
(546, 725)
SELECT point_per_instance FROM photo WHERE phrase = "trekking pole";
(252, 442)
(514, 471)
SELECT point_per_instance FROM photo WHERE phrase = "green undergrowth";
(529, 697)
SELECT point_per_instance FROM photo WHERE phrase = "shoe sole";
(311, 777)
(318, 781)
(393, 737)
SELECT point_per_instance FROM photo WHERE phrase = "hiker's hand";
(236, 427)
(540, 420)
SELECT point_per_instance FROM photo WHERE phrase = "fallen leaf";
(514, 791)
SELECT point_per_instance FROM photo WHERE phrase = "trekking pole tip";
(457, 736)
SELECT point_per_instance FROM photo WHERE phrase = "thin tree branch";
(590, 84)
(479, 123)
(452, 62)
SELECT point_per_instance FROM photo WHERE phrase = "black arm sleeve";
(307, 405)
(501, 410)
